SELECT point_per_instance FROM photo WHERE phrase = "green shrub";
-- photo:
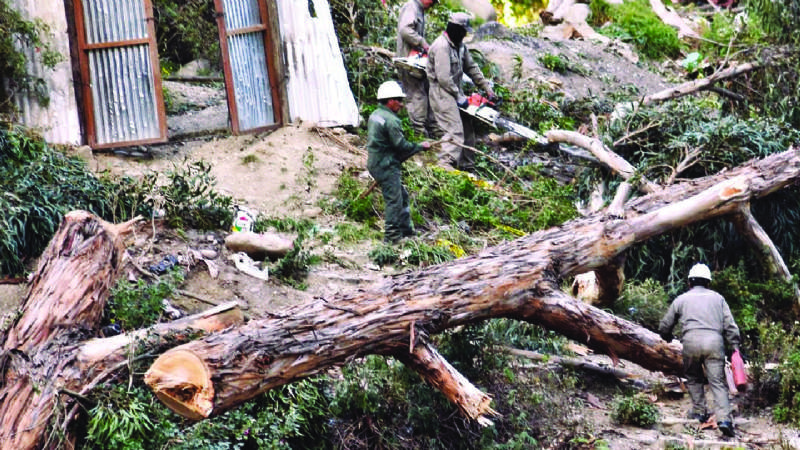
(39, 185)
(17, 36)
(133, 306)
(291, 416)
(556, 63)
(636, 410)
(643, 302)
(635, 22)
(189, 198)
(186, 31)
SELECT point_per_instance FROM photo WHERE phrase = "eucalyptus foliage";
(38, 185)
(698, 134)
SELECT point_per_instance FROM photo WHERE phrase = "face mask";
(456, 33)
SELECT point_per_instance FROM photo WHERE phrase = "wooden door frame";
(272, 72)
(88, 101)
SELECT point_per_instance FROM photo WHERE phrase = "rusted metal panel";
(244, 41)
(317, 88)
(58, 120)
(123, 99)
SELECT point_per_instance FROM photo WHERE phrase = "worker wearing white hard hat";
(707, 325)
(388, 149)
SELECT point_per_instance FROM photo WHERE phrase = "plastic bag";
(739, 372)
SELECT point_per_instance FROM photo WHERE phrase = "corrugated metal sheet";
(58, 121)
(318, 89)
(122, 85)
(251, 81)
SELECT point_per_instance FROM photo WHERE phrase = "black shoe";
(702, 418)
(726, 428)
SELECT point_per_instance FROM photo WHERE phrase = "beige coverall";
(706, 324)
(446, 66)
(411, 36)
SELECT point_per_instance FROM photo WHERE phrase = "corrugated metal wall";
(318, 89)
(58, 121)
(122, 85)
(248, 65)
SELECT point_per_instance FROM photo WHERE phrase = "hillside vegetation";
(517, 188)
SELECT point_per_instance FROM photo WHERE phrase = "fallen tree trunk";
(44, 355)
(518, 279)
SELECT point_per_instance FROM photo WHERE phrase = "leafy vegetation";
(134, 306)
(39, 185)
(18, 39)
(131, 418)
(635, 22)
(186, 31)
(635, 410)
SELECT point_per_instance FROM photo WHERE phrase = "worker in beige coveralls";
(448, 60)
(411, 36)
(706, 326)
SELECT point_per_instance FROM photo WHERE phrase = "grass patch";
(636, 23)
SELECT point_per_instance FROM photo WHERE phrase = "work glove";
(462, 101)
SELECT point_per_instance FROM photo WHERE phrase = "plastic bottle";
(242, 220)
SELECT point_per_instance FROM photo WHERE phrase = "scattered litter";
(245, 264)
(110, 330)
(243, 219)
(171, 311)
(167, 263)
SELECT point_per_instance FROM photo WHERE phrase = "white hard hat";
(390, 89)
(700, 271)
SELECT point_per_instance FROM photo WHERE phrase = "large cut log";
(518, 279)
(63, 306)
(45, 355)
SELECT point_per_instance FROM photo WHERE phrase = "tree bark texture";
(64, 305)
(518, 279)
(44, 353)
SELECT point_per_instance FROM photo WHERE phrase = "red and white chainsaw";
(478, 106)
(482, 109)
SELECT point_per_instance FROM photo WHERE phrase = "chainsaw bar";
(520, 130)
(415, 65)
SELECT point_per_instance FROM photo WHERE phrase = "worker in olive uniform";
(706, 326)
(448, 61)
(411, 36)
(388, 148)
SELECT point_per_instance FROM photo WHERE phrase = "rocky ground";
(287, 172)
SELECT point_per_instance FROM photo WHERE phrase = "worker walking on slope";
(448, 60)
(707, 325)
(388, 149)
(411, 36)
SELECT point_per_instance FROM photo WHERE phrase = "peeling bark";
(44, 355)
(518, 279)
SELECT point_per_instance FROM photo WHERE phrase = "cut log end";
(182, 381)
